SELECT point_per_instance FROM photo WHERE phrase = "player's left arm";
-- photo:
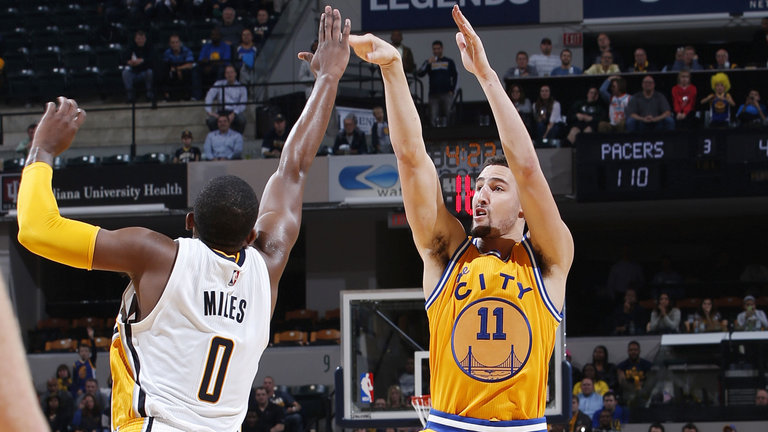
(277, 227)
(549, 235)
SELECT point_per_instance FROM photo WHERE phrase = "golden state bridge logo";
(491, 339)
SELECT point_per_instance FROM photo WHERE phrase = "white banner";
(364, 180)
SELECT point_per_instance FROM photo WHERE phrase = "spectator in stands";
(274, 140)
(443, 81)
(665, 318)
(604, 421)
(656, 427)
(23, 146)
(565, 67)
(92, 388)
(270, 416)
(618, 414)
(633, 371)
(380, 132)
(230, 28)
(605, 370)
(603, 46)
(394, 397)
(523, 105)
(380, 404)
(589, 400)
(707, 319)
(224, 143)
(521, 68)
(722, 62)
(579, 422)
(263, 27)
(246, 57)
(588, 371)
(88, 417)
(649, 109)
(751, 319)
(686, 58)
(406, 378)
(544, 62)
(752, 113)
(548, 116)
(761, 397)
(214, 57)
(291, 408)
(629, 318)
(65, 403)
(350, 140)
(690, 427)
(617, 100)
(84, 367)
(57, 418)
(624, 273)
(305, 72)
(641, 64)
(178, 69)
(719, 101)
(683, 100)
(605, 67)
(667, 273)
(585, 115)
(251, 422)
(64, 378)
(227, 97)
(187, 152)
(754, 272)
(140, 61)
(409, 65)
(759, 47)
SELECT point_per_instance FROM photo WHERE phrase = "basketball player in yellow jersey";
(180, 360)
(494, 299)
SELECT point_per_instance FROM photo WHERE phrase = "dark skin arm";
(277, 227)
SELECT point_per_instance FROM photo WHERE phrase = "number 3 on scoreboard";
(219, 354)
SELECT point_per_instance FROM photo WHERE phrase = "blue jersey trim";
(558, 315)
(482, 422)
(447, 272)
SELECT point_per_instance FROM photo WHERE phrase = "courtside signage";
(421, 14)
(110, 185)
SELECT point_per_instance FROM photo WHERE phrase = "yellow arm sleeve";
(42, 230)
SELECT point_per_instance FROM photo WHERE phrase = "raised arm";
(435, 231)
(279, 219)
(549, 235)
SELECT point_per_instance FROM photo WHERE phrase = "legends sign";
(110, 185)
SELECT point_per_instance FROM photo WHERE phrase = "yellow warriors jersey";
(189, 364)
(492, 331)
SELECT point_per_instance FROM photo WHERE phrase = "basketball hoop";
(422, 404)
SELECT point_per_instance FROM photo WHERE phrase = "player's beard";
(480, 231)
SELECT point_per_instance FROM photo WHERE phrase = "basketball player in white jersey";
(194, 320)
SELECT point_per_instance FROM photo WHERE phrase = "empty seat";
(83, 322)
(61, 345)
(85, 160)
(290, 338)
(325, 337)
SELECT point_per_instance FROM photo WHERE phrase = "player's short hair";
(495, 160)
(225, 211)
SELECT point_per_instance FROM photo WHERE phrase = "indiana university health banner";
(596, 9)
(423, 14)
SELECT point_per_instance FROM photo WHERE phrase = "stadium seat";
(53, 323)
(151, 158)
(85, 160)
(83, 322)
(300, 319)
(61, 345)
(118, 159)
(290, 338)
(325, 337)
(13, 165)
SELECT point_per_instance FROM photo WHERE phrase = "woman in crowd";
(57, 419)
(522, 103)
(88, 417)
(604, 369)
(665, 318)
(547, 115)
(64, 377)
(589, 371)
(706, 319)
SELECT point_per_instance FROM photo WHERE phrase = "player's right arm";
(436, 232)
(145, 255)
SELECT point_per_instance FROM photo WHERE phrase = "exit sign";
(573, 39)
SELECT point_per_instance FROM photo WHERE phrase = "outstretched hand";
(58, 127)
(332, 53)
(471, 47)
(374, 50)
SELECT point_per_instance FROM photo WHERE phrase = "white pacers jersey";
(190, 363)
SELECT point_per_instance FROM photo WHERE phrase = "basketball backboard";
(385, 343)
